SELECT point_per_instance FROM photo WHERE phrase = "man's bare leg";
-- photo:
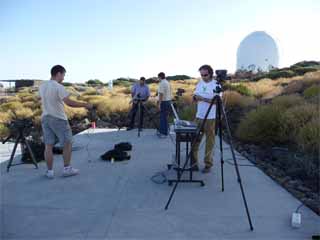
(48, 154)
(67, 148)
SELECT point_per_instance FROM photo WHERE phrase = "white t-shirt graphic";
(205, 90)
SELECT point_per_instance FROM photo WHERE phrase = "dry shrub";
(308, 138)
(13, 106)
(233, 99)
(153, 88)
(12, 99)
(75, 113)
(5, 117)
(90, 91)
(123, 90)
(27, 97)
(107, 106)
(293, 87)
(23, 113)
(300, 83)
(262, 87)
(288, 101)
(296, 118)
(72, 91)
(32, 104)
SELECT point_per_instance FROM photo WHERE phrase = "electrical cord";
(298, 208)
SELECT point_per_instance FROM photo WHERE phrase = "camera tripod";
(22, 140)
(220, 113)
(139, 102)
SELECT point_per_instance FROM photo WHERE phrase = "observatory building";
(257, 51)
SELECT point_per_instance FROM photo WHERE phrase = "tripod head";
(19, 127)
(138, 98)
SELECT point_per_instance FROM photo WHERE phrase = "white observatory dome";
(257, 51)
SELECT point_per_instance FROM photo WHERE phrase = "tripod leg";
(139, 116)
(31, 154)
(12, 153)
(235, 162)
(221, 145)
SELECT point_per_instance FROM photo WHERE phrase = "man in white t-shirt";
(165, 97)
(54, 121)
(203, 94)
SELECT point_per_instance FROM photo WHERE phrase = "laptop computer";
(182, 123)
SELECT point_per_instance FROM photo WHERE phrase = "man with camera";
(54, 120)
(140, 94)
(165, 97)
(203, 95)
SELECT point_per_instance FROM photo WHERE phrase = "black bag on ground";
(123, 146)
(116, 154)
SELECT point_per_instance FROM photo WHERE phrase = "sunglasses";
(204, 75)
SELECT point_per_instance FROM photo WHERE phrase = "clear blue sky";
(107, 39)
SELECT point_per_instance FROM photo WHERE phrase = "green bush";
(305, 64)
(261, 125)
(178, 77)
(94, 82)
(287, 101)
(313, 91)
(240, 88)
(308, 138)
(4, 131)
(296, 118)
(275, 74)
(188, 113)
(303, 70)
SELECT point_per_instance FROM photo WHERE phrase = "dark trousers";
(164, 113)
(134, 110)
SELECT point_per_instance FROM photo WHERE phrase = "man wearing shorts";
(54, 121)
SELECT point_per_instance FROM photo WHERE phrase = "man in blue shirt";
(139, 92)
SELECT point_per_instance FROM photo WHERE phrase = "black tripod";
(23, 141)
(220, 113)
(141, 107)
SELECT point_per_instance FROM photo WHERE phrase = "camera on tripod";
(180, 91)
(20, 125)
(138, 98)
(221, 76)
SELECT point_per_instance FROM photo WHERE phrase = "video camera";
(180, 91)
(221, 75)
(20, 125)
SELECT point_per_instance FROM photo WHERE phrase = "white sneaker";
(70, 171)
(49, 174)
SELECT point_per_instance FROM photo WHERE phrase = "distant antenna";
(110, 85)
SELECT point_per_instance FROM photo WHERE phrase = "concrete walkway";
(119, 201)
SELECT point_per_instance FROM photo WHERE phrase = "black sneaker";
(195, 168)
(206, 170)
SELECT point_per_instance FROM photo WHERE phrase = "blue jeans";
(164, 113)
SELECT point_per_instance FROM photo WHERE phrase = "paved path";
(118, 201)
